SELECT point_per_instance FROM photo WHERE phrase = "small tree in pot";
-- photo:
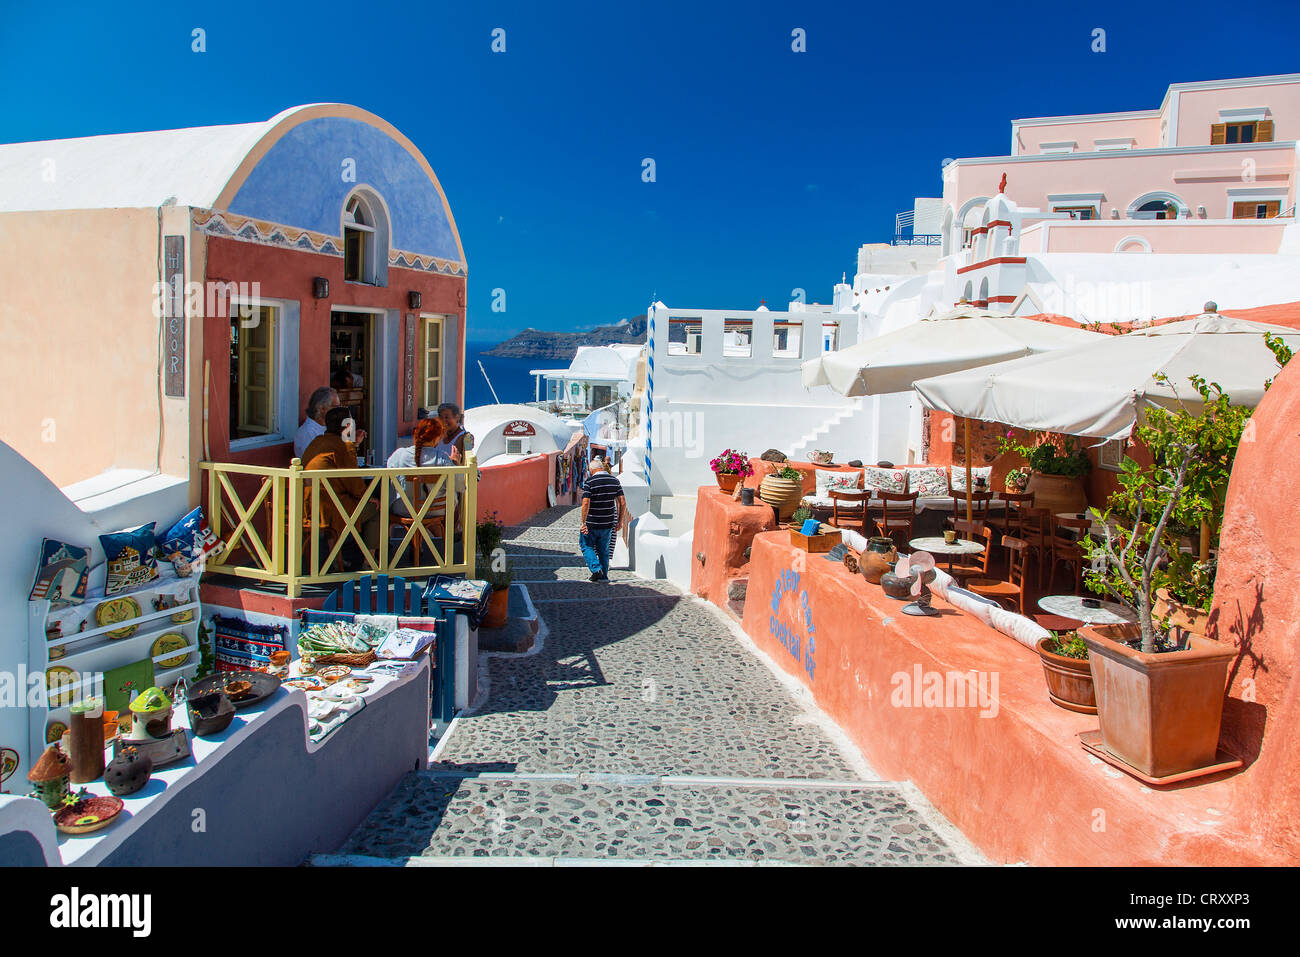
(492, 566)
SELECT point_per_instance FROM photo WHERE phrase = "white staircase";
(801, 451)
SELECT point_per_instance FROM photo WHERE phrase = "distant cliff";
(537, 344)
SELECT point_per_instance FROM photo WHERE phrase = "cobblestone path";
(643, 730)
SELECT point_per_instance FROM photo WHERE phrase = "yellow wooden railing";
(271, 522)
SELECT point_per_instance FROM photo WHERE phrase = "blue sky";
(772, 166)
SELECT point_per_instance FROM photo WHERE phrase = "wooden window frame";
(431, 394)
(1272, 208)
(244, 358)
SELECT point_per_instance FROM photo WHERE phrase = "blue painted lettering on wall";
(792, 636)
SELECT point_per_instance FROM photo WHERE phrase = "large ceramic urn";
(782, 494)
(1058, 493)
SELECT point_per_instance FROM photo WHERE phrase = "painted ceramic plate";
(305, 684)
(118, 609)
(172, 641)
(55, 677)
(89, 815)
(54, 732)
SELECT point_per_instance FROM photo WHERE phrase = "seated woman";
(423, 454)
(332, 451)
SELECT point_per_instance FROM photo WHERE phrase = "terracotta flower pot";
(498, 609)
(1186, 617)
(873, 565)
(783, 494)
(1058, 493)
(727, 481)
(1069, 680)
(1159, 713)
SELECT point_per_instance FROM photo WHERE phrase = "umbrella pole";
(970, 516)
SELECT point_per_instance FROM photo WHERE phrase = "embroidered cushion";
(189, 542)
(885, 480)
(928, 480)
(61, 573)
(825, 501)
(959, 477)
(828, 479)
(131, 559)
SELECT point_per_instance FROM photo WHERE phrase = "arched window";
(1158, 205)
(365, 239)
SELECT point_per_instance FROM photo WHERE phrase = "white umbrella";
(1101, 389)
(963, 338)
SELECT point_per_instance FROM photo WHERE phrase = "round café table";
(937, 546)
(1072, 606)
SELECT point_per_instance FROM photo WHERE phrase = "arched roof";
(287, 170)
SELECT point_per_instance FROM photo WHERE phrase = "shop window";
(430, 358)
(252, 371)
(1254, 210)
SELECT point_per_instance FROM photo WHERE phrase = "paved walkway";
(642, 730)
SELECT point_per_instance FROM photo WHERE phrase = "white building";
(597, 377)
(506, 433)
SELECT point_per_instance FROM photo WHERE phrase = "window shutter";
(1272, 209)
(1218, 134)
(1264, 131)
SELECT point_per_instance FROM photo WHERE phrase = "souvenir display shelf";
(92, 651)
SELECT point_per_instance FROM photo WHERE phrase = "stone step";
(634, 819)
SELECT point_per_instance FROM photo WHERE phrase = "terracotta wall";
(1007, 769)
(724, 530)
(1257, 610)
(515, 491)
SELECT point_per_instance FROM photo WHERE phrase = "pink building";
(1212, 171)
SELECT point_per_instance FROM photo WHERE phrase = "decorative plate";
(172, 641)
(57, 675)
(118, 609)
(8, 763)
(305, 684)
(181, 617)
(263, 686)
(54, 732)
(88, 815)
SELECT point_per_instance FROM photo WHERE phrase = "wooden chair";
(979, 504)
(897, 514)
(978, 532)
(1066, 549)
(434, 520)
(1036, 532)
(1013, 521)
(855, 507)
(1013, 588)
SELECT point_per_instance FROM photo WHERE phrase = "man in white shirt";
(321, 401)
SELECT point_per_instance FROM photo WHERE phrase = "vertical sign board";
(411, 320)
(174, 316)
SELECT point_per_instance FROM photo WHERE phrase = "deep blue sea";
(509, 376)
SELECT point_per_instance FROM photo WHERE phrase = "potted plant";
(783, 490)
(1017, 481)
(1069, 678)
(492, 566)
(1055, 475)
(1185, 598)
(730, 468)
(1160, 688)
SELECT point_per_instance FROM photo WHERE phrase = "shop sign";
(174, 316)
(793, 631)
(519, 428)
(409, 385)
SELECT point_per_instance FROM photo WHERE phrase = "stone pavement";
(642, 729)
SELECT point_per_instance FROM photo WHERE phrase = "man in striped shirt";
(603, 510)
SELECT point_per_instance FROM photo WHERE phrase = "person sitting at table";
(321, 401)
(423, 453)
(332, 451)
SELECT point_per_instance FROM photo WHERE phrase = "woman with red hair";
(422, 453)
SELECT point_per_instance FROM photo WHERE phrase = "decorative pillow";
(959, 477)
(61, 573)
(828, 479)
(928, 480)
(189, 543)
(131, 559)
(884, 480)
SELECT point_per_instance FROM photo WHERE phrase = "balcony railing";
(289, 526)
(925, 239)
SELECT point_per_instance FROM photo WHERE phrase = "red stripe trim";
(992, 262)
(1002, 298)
